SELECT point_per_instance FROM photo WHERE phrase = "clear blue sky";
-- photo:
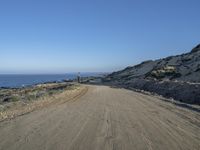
(59, 36)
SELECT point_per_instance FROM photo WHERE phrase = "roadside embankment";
(181, 91)
(19, 101)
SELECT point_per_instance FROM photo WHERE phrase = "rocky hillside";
(185, 67)
(169, 76)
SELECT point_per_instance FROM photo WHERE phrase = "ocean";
(14, 81)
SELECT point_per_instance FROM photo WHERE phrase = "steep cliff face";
(176, 77)
(185, 67)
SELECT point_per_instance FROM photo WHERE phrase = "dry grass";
(52, 94)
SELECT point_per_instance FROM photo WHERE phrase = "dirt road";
(104, 119)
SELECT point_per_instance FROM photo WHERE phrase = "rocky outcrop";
(196, 49)
(177, 77)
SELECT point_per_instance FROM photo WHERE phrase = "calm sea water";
(26, 80)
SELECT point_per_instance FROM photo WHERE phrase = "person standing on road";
(79, 77)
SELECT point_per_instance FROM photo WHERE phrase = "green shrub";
(14, 98)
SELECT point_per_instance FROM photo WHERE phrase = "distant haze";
(58, 36)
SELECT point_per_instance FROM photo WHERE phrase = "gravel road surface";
(104, 119)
